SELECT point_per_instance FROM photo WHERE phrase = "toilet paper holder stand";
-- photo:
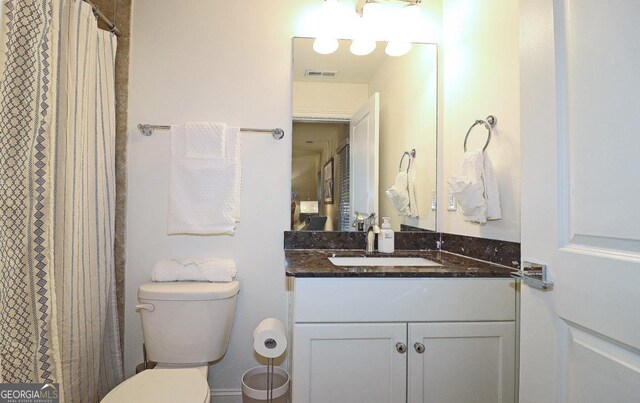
(270, 344)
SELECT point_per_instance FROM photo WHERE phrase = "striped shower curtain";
(58, 319)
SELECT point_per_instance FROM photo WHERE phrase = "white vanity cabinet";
(398, 340)
(349, 362)
(461, 362)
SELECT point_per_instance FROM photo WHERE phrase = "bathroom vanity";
(442, 333)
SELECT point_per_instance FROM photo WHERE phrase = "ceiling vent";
(320, 73)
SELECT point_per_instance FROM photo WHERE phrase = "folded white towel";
(205, 140)
(204, 193)
(476, 189)
(402, 193)
(194, 269)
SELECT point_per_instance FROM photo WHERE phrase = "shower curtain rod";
(98, 13)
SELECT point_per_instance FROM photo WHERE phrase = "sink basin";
(383, 261)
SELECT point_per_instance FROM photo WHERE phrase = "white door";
(364, 148)
(462, 362)
(580, 134)
(349, 363)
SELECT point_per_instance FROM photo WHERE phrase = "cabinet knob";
(401, 347)
(419, 347)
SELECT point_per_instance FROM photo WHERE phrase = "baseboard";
(226, 395)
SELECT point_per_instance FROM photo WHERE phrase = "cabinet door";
(462, 362)
(349, 363)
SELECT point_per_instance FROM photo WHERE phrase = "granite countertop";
(315, 263)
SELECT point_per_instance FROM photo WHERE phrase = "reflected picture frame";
(327, 182)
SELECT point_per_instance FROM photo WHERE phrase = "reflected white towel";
(413, 204)
(476, 189)
(204, 193)
(402, 193)
(398, 194)
(193, 269)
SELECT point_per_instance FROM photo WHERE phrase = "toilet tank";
(187, 322)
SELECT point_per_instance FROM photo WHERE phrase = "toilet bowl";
(185, 326)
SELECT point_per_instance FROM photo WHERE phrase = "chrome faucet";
(372, 230)
(359, 222)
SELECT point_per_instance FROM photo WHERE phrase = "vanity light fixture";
(405, 19)
(326, 42)
(360, 6)
(364, 27)
(372, 16)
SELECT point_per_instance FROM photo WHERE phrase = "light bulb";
(362, 47)
(397, 48)
(325, 46)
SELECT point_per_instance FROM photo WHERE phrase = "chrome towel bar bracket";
(489, 123)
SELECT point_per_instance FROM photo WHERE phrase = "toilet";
(186, 325)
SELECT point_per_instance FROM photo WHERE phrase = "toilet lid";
(162, 386)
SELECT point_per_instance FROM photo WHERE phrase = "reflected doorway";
(320, 176)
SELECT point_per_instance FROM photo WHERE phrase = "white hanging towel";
(205, 140)
(402, 193)
(492, 193)
(476, 189)
(204, 191)
(195, 269)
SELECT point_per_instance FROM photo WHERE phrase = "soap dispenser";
(386, 237)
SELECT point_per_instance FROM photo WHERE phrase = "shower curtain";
(58, 319)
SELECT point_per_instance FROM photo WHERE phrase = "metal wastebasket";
(255, 388)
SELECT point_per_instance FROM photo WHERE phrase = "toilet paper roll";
(270, 338)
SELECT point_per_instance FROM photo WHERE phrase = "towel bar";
(147, 130)
(489, 123)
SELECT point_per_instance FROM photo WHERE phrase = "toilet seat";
(186, 385)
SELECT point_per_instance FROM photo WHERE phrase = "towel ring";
(489, 123)
(412, 154)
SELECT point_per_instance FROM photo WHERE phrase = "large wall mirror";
(354, 117)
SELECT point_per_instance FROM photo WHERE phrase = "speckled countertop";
(315, 263)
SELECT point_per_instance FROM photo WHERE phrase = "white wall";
(481, 77)
(221, 61)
